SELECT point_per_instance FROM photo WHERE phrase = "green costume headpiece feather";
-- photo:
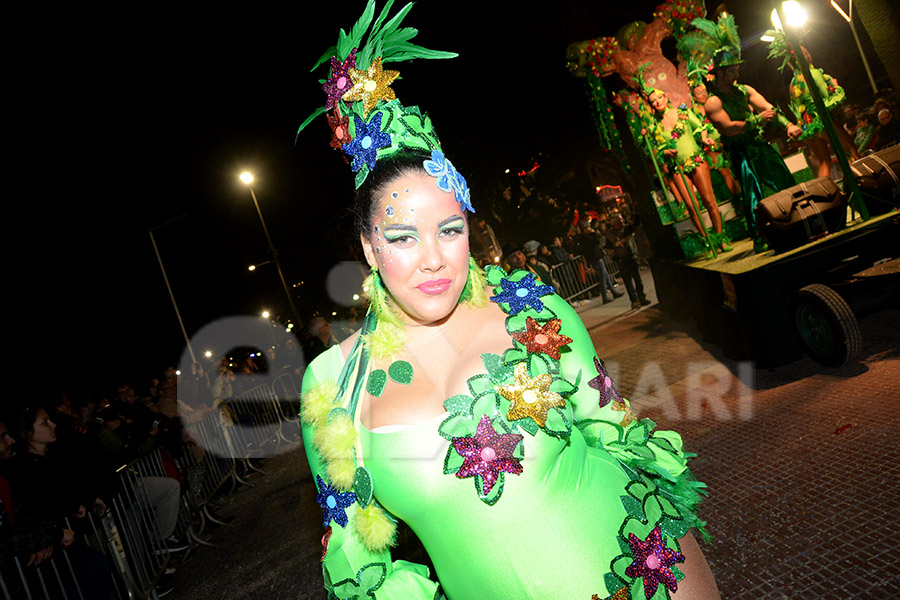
(723, 38)
(366, 119)
(778, 47)
(646, 90)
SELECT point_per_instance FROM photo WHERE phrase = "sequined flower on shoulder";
(653, 561)
(339, 83)
(522, 293)
(369, 138)
(334, 503)
(487, 453)
(372, 86)
(603, 383)
(530, 397)
(448, 178)
(542, 339)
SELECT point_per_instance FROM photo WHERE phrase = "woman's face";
(419, 241)
(700, 94)
(44, 429)
(658, 101)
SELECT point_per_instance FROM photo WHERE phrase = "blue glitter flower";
(522, 294)
(449, 179)
(333, 503)
(369, 138)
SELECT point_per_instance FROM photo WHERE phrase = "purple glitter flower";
(487, 453)
(603, 383)
(339, 83)
(333, 503)
(653, 561)
(369, 138)
(522, 294)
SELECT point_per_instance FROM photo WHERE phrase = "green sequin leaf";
(493, 274)
(557, 424)
(334, 413)
(459, 404)
(633, 507)
(479, 384)
(612, 582)
(485, 404)
(562, 387)
(362, 486)
(528, 424)
(371, 577)
(497, 370)
(514, 355)
(491, 497)
(452, 461)
(401, 372)
(677, 573)
(674, 528)
(456, 426)
(375, 384)
(652, 510)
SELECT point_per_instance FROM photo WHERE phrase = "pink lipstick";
(434, 287)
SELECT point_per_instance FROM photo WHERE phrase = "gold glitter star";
(371, 86)
(530, 397)
(628, 419)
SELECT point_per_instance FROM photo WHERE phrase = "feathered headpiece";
(723, 38)
(779, 48)
(367, 120)
(646, 89)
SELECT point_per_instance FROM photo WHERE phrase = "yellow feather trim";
(385, 342)
(341, 473)
(376, 530)
(317, 402)
(337, 439)
(477, 283)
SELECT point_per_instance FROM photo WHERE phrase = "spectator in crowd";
(533, 264)
(888, 132)
(592, 247)
(514, 259)
(322, 339)
(865, 137)
(558, 252)
(617, 243)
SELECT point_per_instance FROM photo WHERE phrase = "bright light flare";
(793, 12)
(247, 177)
(265, 314)
(208, 354)
(251, 268)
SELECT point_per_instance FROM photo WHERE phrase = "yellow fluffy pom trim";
(341, 472)
(386, 342)
(376, 530)
(317, 402)
(335, 440)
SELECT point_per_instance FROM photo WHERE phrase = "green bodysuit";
(685, 137)
(802, 104)
(537, 483)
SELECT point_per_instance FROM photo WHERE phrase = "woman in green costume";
(679, 133)
(472, 406)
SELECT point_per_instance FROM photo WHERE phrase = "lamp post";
(247, 178)
(162, 268)
(848, 16)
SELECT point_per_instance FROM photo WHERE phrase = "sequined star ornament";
(653, 561)
(340, 130)
(487, 454)
(339, 83)
(372, 86)
(603, 383)
(530, 396)
(542, 339)
(369, 138)
(522, 293)
(334, 503)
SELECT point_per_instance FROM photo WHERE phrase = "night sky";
(131, 125)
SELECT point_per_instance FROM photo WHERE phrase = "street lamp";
(248, 178)
(848, 16)
(794, 14)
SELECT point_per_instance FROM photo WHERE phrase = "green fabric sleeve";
(349, 569)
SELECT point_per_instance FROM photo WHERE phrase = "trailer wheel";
(827, 327)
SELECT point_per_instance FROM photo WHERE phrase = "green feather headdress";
(366, 119)
(778, 48)
(646, 90)
(723, 39)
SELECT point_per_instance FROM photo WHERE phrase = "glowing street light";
(265, 314)
(794, 14)
(248, 178)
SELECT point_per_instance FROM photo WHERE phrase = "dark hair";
(26, 419)
(386, 171)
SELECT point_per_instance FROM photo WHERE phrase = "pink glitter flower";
(339, 83)
(653, 561)
(488, 454)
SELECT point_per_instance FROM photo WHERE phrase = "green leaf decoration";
(456, 426)
(493, 274)
(557, 424)
(514, 355)
(673, 528)
(562, 387)
(361, 175)
(359, 29)
(652, 510)
(309, 120)
(376, 382)
(612, 582)
(459, 404)
(371, 577)
(528, 424)
(485, 404)
(452, 461)
(633, 507)
(401, 372)
(362, 486)
(497, 370)
(480, 384)
(334, 413)
(325, 56)
(677, 573)
(490, 498)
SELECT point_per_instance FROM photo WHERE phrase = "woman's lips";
(434, 287)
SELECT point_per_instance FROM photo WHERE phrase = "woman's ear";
(368, 251)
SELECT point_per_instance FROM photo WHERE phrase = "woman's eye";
(403, 240)
(453, 232)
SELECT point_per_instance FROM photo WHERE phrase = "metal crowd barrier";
(575, 277)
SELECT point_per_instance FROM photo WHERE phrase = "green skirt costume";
(802, 104)
(537, 483)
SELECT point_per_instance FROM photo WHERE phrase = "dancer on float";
(679, 133)
(741, 113)
(471, 405)
(804, 108)
(715, 157)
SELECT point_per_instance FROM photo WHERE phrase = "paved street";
(802, 464)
